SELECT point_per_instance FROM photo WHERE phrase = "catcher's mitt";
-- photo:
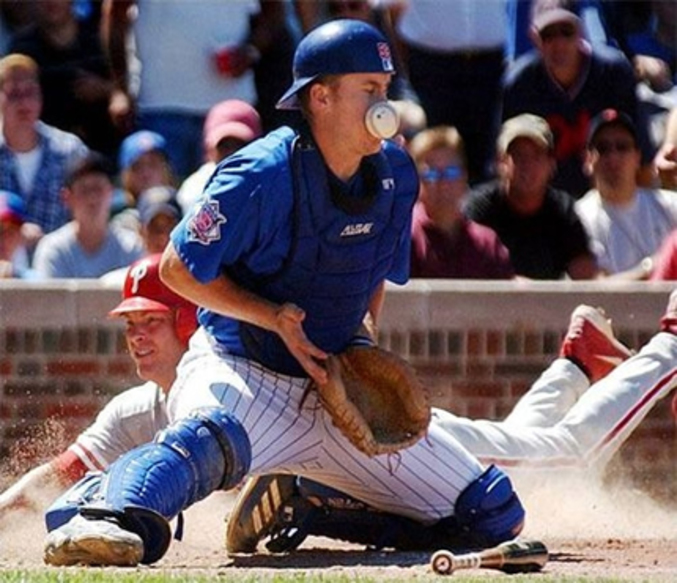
(375, 399)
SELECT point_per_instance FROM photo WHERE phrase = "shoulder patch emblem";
(205, 226)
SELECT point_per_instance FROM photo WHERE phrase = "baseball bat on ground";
(509, 557)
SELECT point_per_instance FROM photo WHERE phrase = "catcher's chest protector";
(338, 256)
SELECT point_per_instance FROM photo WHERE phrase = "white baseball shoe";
(92, 542)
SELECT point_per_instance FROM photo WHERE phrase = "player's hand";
(289, 326)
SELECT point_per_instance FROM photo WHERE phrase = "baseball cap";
(12, 208)
(544, 13)
(525, 125)
(157, 200)
(611, 117)
(139, 143)
(231, 119)
(143, 289)
(337, 47)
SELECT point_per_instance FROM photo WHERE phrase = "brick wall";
(477, 345)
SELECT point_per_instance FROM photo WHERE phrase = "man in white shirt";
(626, 223)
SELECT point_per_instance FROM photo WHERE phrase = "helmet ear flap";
(186, 323)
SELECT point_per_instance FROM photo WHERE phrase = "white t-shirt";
(622, 236)
(27, 164)
(461, 25)
(60, 255)
(130, 419)
(175, 42)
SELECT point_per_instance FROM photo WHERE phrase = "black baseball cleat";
(262, 508)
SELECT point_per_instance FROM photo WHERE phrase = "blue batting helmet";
(336, 48)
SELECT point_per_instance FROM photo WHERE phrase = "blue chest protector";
(342, 249)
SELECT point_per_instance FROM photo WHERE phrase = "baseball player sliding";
(158, 325)
(287, 255)
(570, 422)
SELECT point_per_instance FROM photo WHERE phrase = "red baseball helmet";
(143, 290)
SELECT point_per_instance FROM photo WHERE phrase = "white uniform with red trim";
(130, 419)
(565, 423)
(562, 422)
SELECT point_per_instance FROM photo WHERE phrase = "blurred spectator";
(664, 262)
(13, 255)
(647, 33)
(665, 161)
(454, 57)
(594, 15)
(273, 71)
(205, 53)
(143, 163)
(33, 155)
(159, 213)
(445, 244)
(89, 245)
(568, 83)
(412, 119)
(626, 223)
(229, 126)
(537, 223)
(76, 81)
(15, 16)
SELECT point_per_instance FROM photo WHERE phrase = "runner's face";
(153, 345)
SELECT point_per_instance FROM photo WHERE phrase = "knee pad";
(153, 483)
(207, 451)
(488, 510)
(69, 503)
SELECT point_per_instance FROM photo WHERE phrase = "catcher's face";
(154, 345)
(345, 103)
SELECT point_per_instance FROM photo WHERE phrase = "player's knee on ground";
(488, 510)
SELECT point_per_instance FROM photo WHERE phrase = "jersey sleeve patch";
(205, 226)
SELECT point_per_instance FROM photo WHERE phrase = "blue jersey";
(249, 222)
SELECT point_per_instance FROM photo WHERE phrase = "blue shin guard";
(153, 483)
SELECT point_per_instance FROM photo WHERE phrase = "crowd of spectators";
(544, 131)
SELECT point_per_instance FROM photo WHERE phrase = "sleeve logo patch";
(205, 226)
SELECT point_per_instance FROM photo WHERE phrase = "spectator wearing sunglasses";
(567, 83)
(536, 222)
(445, 244)
(626, 223)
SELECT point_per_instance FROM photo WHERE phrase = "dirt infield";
(589, 532)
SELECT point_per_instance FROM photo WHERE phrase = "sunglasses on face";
(452, 172)
(558, 31)
(604, 147)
